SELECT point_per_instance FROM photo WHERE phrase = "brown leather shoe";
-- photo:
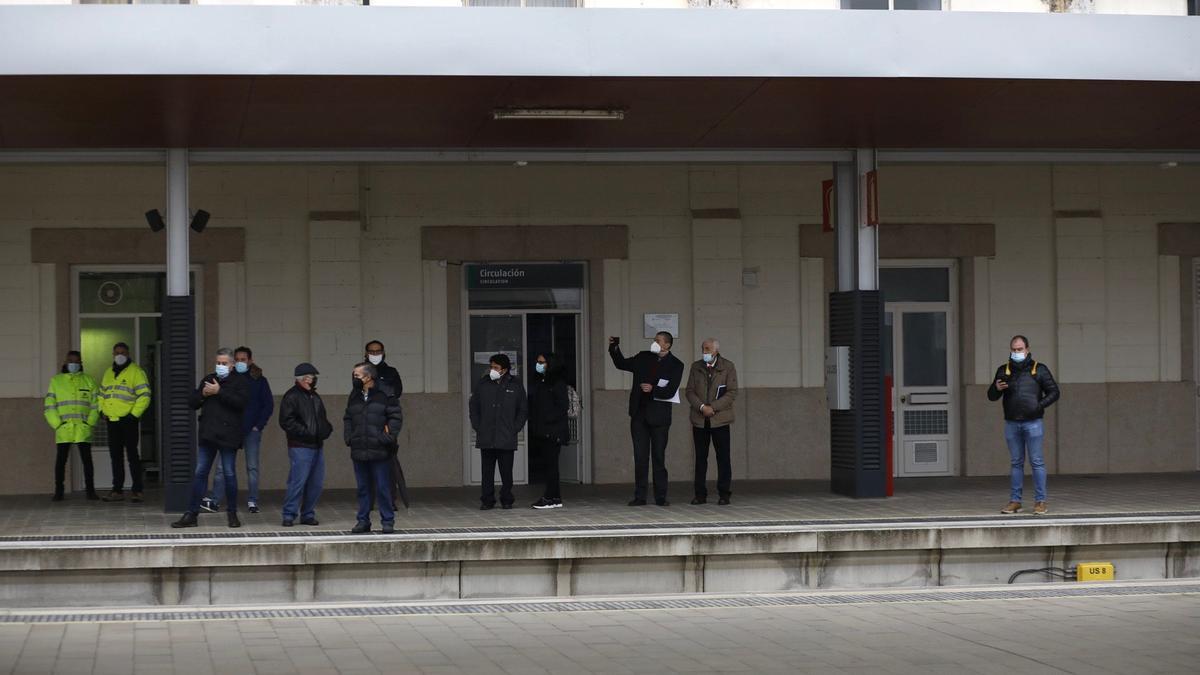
(1039, 509)
(114, 497)
(136, 498)
(1012, 507)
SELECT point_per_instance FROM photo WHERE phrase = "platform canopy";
(431, 78)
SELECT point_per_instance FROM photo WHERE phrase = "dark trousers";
(206, 456)
(374, 477)
(491, 457)
(720, 440)
(122, 446)
(649, 442)
(548, 451)
(394, 474)
(60, 466)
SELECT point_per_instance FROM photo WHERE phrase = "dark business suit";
(650, 419)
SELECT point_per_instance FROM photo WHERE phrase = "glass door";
(495, 334)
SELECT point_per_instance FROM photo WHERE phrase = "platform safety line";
(609, 604)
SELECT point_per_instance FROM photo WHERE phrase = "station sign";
(524, 275)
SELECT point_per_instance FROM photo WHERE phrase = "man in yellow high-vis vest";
(124, 398)
(72, 408)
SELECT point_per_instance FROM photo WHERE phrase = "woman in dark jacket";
(370, 428)
(548, 428)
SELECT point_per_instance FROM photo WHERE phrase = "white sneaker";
(252, 507)
(209, 504)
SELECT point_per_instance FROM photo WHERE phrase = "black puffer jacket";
(302, 417)
(371, 426)
(548, 404)
(1028, 394)
(221, 415)
(498, 412)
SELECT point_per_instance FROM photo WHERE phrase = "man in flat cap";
(302, 417)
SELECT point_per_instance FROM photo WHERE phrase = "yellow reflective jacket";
(72, 407)
(125, 393)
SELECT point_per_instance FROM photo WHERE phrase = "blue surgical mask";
(541, 368)
(222, 370)
(241, 367)
(1017, 357)
(74, 367)
(708, 358)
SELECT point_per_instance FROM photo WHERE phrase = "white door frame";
(953, 349)
(583, 370)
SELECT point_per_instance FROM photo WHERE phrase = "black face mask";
(356, 383)
(314, 382)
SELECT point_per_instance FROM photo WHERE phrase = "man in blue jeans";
(258, 413)
(1027, 388)
(302, 418)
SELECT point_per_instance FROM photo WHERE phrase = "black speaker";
(155, 220)
(200, 220)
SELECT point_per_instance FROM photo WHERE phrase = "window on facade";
(892, 4)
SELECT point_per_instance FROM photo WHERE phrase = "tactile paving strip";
(522, 607)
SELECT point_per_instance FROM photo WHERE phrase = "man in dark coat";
(656, 377)
(1027, 388)
(370, 427)
(388, 381)
(498, 408)
(221, 399)
(303, 420)
(259, 408)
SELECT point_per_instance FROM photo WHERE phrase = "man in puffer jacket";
(1027, 388)
(371, 426)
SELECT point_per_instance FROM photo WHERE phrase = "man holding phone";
(1027, 388)
(656, 377)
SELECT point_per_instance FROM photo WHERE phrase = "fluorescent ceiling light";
(557, 114)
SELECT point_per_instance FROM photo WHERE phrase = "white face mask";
(120, 359)
(494, 374)
(74, 367)
(375, 359)
(1017, 357)
(655, 348)
(222, 370)
(708, 358)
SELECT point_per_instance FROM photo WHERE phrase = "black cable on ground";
(1064, 574)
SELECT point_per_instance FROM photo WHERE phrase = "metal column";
(857, 434)
(179, 343)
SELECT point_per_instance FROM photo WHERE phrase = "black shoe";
(486, 507)
(188, 519)
(233, 519)
(699, 500)
(309, 521)
(661, 502)
(506, 507)
(636, 502)
(388, 528)
(114, 496)
(361, 527)
(137, 498)
(58, 497)
(724, 501)
(92, 496)
(252, 507)
(288, 523)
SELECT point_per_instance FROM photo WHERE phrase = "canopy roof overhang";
(428, 78)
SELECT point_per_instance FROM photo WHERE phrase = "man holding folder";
(711, 390)
(656, 377)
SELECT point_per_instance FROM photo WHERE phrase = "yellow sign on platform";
(1094, 571)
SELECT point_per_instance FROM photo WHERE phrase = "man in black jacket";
(302, 418)
(370, 427)
(498, 408)
(1027, 388)
(221, 399)
(656, 377)
(388, 381)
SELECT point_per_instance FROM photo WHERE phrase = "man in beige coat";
(711, 390)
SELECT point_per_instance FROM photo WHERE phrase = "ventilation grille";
(925, 452)
(926, 422)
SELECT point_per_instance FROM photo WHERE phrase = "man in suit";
(656, 377)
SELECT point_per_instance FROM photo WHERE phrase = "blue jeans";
(306, 477)
(251, 445)
(379, 474)
(1026, 438)
(205, 456)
